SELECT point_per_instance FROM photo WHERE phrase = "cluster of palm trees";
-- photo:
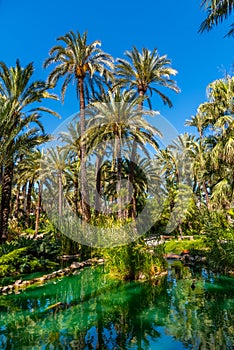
(20, 129)
(203, 164)
(108, 141)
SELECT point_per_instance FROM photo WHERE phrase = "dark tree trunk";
(134, 206)
(119, 176)
(76, 194)
(38, 208)
(84, 186)
(6, 199)
(28, 203)
(60, 195)
(24, 194)
(133, 211)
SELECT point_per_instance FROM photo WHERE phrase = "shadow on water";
(89, 311)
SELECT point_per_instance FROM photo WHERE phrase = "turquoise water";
(96, 313)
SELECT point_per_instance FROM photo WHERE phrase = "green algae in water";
(90, 311)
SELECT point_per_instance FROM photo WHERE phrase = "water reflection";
(88, 311)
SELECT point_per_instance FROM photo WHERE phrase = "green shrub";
(135, 261)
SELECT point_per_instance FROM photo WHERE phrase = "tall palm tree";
(221, 96)
(146, 71)
(89, 67)
(217, 12)
(119, 119)
(213, 155)
(17, 120)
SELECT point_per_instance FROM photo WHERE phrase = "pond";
(90, 311)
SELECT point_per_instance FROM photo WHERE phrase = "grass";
(177, 247)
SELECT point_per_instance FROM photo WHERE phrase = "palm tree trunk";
(206, 194)
(84, 188)
(28, 203)
(134, 206)
(60, 195)
(38, 208)
(76, 191)
(98, 183)
(24, 195)
(17, 202)
(133, 210)
(119, 176)
(6, 199)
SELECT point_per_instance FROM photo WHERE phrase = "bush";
(9, 263)
(27, 255)
(135, 261)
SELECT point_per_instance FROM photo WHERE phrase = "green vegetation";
(135, 261)
(109, 165)
(177, 247)
(217, 12)
(26, 255)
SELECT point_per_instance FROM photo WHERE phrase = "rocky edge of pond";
(20, 284)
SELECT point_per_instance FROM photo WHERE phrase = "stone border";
(20, 285)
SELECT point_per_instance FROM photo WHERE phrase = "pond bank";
(19, 285)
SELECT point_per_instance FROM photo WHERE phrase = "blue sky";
(30, 28)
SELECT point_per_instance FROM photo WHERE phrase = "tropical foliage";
(107, 168)
(217, 12)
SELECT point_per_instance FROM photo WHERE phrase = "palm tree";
(30, 171)
(199, 121)
(17, 120)
(71, 138)
(122, 121)
(55, 167)
(217, 12)
(213, 155)
(176, 164)
(221, 145)
(145, 71)
(89, 67)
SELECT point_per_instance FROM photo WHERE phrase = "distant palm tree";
(199, 122)
(89, 67)
(71, 138)
(217, 12)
